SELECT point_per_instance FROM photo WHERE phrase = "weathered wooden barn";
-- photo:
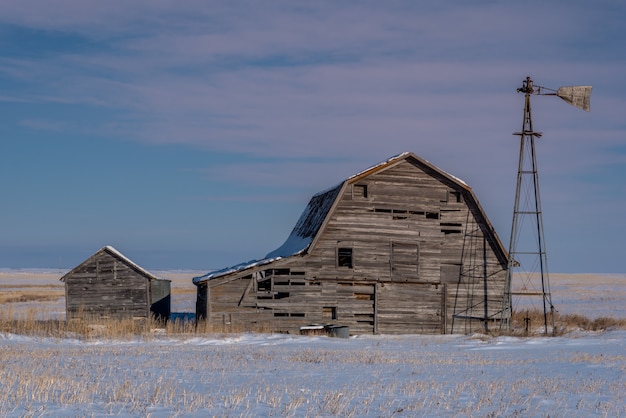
(402, 247)
(109, 285)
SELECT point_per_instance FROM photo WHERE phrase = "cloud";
(305, 94)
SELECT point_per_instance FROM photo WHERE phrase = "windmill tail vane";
(577, 96)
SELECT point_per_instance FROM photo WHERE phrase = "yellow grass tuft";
(531, 322)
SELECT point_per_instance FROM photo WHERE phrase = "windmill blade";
(577, 96)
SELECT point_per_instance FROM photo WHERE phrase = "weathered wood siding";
(105, 287)
(420, 263)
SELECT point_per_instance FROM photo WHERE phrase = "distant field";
(159, 374)
(591, 295)
(24, 290)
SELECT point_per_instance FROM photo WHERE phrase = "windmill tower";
(527, 248)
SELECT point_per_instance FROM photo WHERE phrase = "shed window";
(344, 257)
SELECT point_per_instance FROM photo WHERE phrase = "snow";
(581, 374)
(264, 375)
(233, 269)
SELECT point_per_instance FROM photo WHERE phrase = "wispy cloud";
(293, 88)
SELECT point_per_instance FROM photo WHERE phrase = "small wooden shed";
(109, 285)
(401, 247)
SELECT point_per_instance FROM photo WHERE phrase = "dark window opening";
(453, 196)
(451, 227)
(281, 295)
(293, 315)
(360, 190)
(401, 212)
(277, 272)
(432, 215)
(265, 286)
(344, 257)
(329, 312)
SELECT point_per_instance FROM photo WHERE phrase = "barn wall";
(420, 264)
(105, 287)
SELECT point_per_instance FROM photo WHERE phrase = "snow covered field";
(581, 374)
(277, 375)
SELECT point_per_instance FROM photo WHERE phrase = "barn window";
(451, 227)
(265, 286)
(453, 196)
(359, 191)
(344, 257)
(329, 312)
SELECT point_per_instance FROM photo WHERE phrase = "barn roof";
(321, 205)
(119, 256)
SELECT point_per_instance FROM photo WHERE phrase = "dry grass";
(30, 296)
(20, 290)
(244, 378)
(531, 323)
(30, 323)
(88, 328)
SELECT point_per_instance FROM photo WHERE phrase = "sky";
(190, 134)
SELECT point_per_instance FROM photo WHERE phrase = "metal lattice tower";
(527, 248)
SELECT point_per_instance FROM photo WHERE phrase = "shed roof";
(120, 257)
(322, 204)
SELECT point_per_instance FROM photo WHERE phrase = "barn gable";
(400, 247)
(108, 284)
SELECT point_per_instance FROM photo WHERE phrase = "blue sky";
(191, 134)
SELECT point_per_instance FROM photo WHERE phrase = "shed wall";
(105, 287)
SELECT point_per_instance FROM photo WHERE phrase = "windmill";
(527, 250)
